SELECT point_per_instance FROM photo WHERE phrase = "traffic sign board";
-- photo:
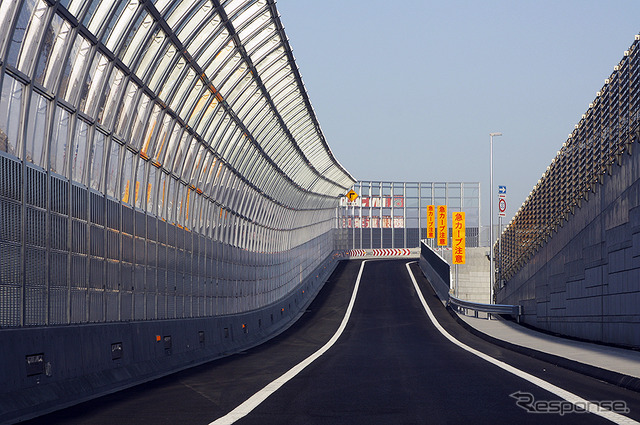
(352, 195)
(502, 207)
(502, 191)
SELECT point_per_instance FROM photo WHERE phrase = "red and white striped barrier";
(391, 252)
(356, 253)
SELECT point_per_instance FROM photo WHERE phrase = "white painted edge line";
(562, 393)
(254, 401)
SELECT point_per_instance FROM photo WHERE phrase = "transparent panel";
(149, 53)
(172, 147)
(160, 143)
(120, 23)
(252, 27)
(231, 6)
(243, 17)
(243, 80)
(170, 200)
(78, 154)
(52, 54)
(139, 190)
(191, 99)
(36, 130)
(173, 78)
(136, 38)
(72, 76)
(203, 38)
(113, 91)
(10, 116)
(98, 14)
(165, 59)
(206, 169)
(258, 45)
(127, 109)
(268, 53)
(162, 5)
(185, 83)
(153, 128)
(223, 75)
(60, 140)
(6, 14)
(113, 168)
(96, 160)
(178, 12)
(34, 32)
(212, 48)
(215, 119)
(185, 169)
(128, 172)
(200, 15)
(92, 91)
(162, 192)
(75, 6)
(219, 59)
(139, 120)
(181, 152)
(16, 40)
(204, 106)
(151, 191)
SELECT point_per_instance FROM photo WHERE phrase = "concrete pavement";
(615, 365)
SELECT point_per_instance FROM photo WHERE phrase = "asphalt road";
(390, 366)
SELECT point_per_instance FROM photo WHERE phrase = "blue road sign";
(502, 190)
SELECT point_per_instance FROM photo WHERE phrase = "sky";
(410, 90)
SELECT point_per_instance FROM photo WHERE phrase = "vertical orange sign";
(458, 238)
(431, 221)
(443, 229)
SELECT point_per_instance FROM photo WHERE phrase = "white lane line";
(564, 394)
(254, 401)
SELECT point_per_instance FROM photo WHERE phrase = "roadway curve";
(390, 366)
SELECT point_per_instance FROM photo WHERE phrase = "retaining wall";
(585, 280)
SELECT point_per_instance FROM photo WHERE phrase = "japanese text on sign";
(431, 222)
(443, 230)
(458, 238)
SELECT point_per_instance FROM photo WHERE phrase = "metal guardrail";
(463, 307)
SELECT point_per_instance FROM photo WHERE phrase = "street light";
(491, 267)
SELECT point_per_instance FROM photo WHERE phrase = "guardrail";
(463, 307)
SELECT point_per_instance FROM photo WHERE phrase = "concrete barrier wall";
(585, 280)
(436, 270)
(47, 368)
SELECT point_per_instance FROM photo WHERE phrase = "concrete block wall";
(473, 276)
(585, 281)
(48, 368)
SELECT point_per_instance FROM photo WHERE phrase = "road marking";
(254, 401)
(562, 393)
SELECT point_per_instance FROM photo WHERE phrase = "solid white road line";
(254, 401)
(564, 394)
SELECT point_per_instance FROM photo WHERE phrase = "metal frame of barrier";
(463, 307)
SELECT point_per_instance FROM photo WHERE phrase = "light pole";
(491, 267)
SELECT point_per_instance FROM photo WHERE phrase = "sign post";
(458, 243)
(502, 212)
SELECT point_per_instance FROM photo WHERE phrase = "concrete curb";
(621, 380)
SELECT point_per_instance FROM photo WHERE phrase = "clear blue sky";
(410, 90)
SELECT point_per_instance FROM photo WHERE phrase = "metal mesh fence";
(605, 133)
(394, 214)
